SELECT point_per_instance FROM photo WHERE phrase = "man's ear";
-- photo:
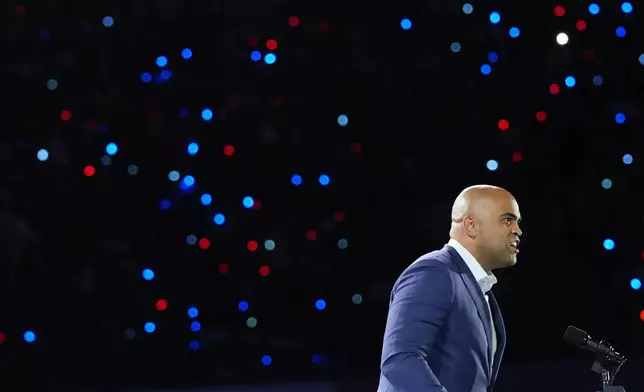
(471, 226)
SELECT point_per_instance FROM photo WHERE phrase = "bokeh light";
(405, 24)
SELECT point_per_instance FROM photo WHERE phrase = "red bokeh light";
(264, 270)
(517, 157)
(541, 116)
(229, 151)
(91, 126)
(554, 89)
(560, 11)
(3, 337)
(338, 216)
(323, 26)
(223, 268)
(271, 44)
(253, 41)
(504, 125)
(312, 235)
(356, 147)
(65, 115)
(642, 315)
(162, 305)
(589, 55)
(252, 246)
(581, 25)
(257, 205)
(293, 21)
(204, 243)
(89, 171)
(19, 10)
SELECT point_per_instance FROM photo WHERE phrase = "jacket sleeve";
(419, 305)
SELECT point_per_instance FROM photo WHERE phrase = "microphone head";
(575, 336)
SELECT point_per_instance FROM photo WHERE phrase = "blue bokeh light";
(455, 47)
(492, 165)
(162, 61)
(405, 24)
(296, 179)
(206, 199)
(320, 304)
(111, 148)
(515, 32)
(42, 155)
(206, 114)
(108, 21)
(193, 148)
(620, 118)
(620, 32)
(248, 202)
(324, 180)
(570, 81)
(188, 181)
(495, 17)
(195, 326)
(636, 284)
(255, 55)
(486, 69)
(148, 274)
(146, 77)
(627, 159)
(243, 306)
(165, 204)
(627, 7)
(492, 57)
(270, 58)
(593, 9)
(29, 336)
(607, 183)
(467, 8)
(609, 244)
(149, 327)
(267, 360)
(343, 120)
(219, 219)
(186, 54)
(193, 312)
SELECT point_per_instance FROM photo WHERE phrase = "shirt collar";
(485, 279)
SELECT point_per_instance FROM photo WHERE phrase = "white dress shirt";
(485, 280)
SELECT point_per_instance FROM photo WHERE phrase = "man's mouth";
(514, 246)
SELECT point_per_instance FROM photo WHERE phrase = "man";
(444, 329)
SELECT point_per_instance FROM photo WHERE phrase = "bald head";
(485, 221)
(476, 198)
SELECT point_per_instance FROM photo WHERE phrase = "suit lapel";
(479, 300)
(500, 329)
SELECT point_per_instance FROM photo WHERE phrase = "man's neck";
(474, 252)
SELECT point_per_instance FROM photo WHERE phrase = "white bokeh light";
(562, 38)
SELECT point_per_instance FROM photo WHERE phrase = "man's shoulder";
(437, 257)
(440, 260)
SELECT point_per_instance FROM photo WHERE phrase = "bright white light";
(562, 38)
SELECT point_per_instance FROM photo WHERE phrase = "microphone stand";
(608, 367)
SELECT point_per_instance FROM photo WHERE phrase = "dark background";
(423, 122)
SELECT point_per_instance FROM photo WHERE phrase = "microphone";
(581, 339)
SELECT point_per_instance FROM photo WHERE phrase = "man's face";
(500, 231)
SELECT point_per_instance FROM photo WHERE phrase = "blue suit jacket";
(439, 335)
